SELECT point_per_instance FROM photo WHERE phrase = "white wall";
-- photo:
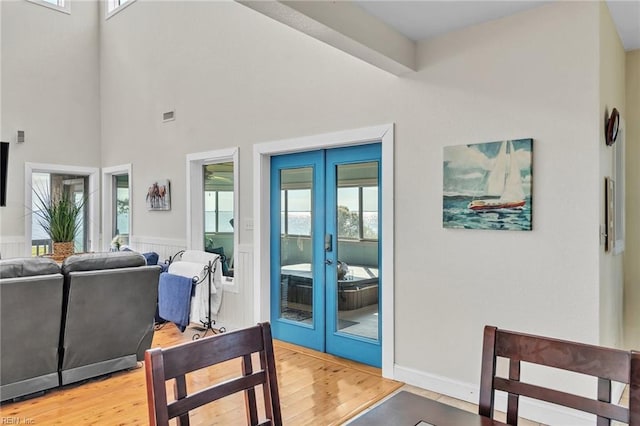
(50, 90)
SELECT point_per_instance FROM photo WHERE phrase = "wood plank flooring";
(315, 389)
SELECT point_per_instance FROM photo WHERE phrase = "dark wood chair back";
(604, 363)
(175, 362)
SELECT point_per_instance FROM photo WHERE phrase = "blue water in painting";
(455, 214)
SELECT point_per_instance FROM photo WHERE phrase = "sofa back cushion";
(99, 261)
(121, 304)
(27, 267)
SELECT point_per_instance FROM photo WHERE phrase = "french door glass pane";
(296, 273)
(357, 218)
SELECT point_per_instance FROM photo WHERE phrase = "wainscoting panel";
(12, 247)
(236, 311)
(237, 301)
(165, 247)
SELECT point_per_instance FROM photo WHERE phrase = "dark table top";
(406, 408)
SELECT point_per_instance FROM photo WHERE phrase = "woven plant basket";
(62, 250)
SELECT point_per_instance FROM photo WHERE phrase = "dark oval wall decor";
(611, 130)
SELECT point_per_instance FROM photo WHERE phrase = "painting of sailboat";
(488, 185)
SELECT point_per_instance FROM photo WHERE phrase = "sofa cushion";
(27, 267)
(107, 260)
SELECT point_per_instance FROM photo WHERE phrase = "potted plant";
(60, 217)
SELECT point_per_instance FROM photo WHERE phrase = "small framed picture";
(159, 195)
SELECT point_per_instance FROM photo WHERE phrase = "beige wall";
(237, 78)
(632, 242)
(612, 95)
(50, 76)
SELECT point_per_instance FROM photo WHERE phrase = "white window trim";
(261, 233)
(195, 202)
(109, 14)
(107, 201)
(94, 199)
(64, 9)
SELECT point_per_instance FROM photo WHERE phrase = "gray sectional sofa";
(30, 318)
(60, 325)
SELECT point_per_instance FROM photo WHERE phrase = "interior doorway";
(71, 181)
(262, 220)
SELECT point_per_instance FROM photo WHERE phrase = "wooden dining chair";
(162, 365)
(606, 364)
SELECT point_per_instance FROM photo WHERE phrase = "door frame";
(195, 202)
(108, 202)
(261, 232)
(93, 225)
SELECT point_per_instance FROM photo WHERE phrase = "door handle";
(329, 262)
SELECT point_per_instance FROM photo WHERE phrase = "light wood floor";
(315, 389)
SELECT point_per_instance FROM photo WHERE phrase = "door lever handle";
(329, 262)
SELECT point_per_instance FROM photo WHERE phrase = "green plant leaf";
(59, 216)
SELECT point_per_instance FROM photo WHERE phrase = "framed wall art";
(159, 195)
(488, 185)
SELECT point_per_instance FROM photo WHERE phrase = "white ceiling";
(421, 20)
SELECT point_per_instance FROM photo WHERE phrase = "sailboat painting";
(488, 185)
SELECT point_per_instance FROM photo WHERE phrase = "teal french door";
(325, 251)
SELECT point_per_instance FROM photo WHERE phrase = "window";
(358, 212)
(90, 178)
(218, 205)
(218, 197)
(212, 207)
(116, 206)
(59, 5)
(357, 203)
(115, 6)
(48, 186)
(296, 212)
(357, 200)
(121, 208)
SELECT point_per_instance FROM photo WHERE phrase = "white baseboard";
(530, 409)
(439, 384)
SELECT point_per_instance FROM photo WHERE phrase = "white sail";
(513, 183)
(504, 181)
(496, 180)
